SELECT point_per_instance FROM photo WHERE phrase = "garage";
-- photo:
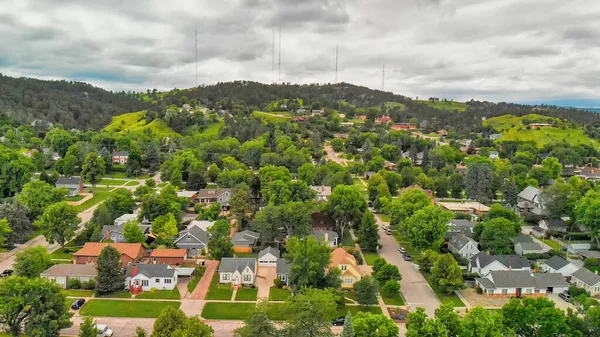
(268, 257)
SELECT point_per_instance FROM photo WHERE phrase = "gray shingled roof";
(195, 231)
(529, 193)
(121, 153)
(556, 223)
(282, 266)
(550, 280)
(320, 235)
(151, 270)
(522, 238)
(231, 264)
(462, 223)
(586, 277)
(245, 236)
(59, 270)
(513, 261)
(275, 252)
(529, 245)
(556, 262)
(207, 193)
(487, 284)
(512, 279)
(458, 242)
(68, 181)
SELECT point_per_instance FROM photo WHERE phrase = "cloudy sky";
(499, 50)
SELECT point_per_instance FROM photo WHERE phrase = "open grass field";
(451, 106)
(212, 130)
(111, 182)
(392, 105)
(278, 294)
(116, 308)
(271, 117)
(246, 294)
(219, 310)
(217, 291)
(136, 122)
(160, 295)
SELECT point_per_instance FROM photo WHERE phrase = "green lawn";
(445, 299)
(123, 175)
(194, 281)
(99, 196)
(370, 258)
(213, 129)
(77, 292)
(74, 198)
(278, 294)
(111, 182)
(347, 241)
(553, 244)
(160, 295)
(246, 294)
(255, 255)
(441, 105)
(116, 308)
(276, 311)
(237, 311)
(395, 300)
(162, 184)
(359, 184)
(271, 117)
(350, 294)
(135, 122)
(132, 183)
(355, 309)
(117, 294)
(61, 254)
(385, 218)
(218, 291)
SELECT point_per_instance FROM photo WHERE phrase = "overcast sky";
(499, 50)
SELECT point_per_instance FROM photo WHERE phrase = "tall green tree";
(177, 178)
(132, 232)
(510, 192)
(479, 322)
(31, 262)
(368, 233)
(308, 258)
(88, 328)
(165, 226)
(258, 323)
(366, 291)
(16, 216)
(456, 185)
(535, 317)
(4, 232)
(406, 205)
(496, 234)
(59, 223)
(449, 318)
(446, 274)
(93, 169)
(557, 200)
(479, 182)
(220, 247)
(309, 312)
(346, 205)
(587, 214)
(169, 320)
(348, 330)
(427, 226)
(33, 306)
(213, 173)
(419, 325)
(240, 203)
(367, 324)
(37, 195)
(109, 277)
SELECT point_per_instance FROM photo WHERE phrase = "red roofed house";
(169, 256)
(383, 120)
(130, 252)
(404, 126)
(539, 125)
(120, 157)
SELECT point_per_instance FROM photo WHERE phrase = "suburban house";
(237, 271)
(120, 157)
(521, 283)
(244, 241)
(383, 120)
(530, 201)
(494, 155)
(168, 256)
(115, 233)
(404, 126)
(590, 173)
(130, 252)
(120, 221)
(268, 257)
(193, 239)
(210, 196)
(469, 207)
(330, 237)
(459, 227)
(557, 264)
(62, 274)
(587, 280)
(578, 247)
(346, 124)
(144, 277)
(463, 246)
(539, 125)
(202, 224)
(484, 263)
(283, 271)
(300, 118)
(388, 165)
(192, 195)
(556, 225)
(524, 248)
(323, 192)
(343, 260)
(317, 112)
(73, 184)
(521, 238)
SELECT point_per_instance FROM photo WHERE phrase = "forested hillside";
(72, 104)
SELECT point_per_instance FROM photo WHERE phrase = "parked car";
(407, 257)
(385, 227)
(6, 273)
(402, 250)
(338, 321)
(388, 231)
(78, 304)
(566, 297)
(103, 330)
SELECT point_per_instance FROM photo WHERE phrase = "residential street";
(414, 287)
(331, 155)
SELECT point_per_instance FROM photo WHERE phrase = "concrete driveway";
(560, 303)
(264, 281)
(413, 285)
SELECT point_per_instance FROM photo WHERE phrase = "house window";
(528, 291)
(348, 281)
(113, 237)
(344, 267)
(490, 291)
(189, 239)
(247, 278)
(504, 291)
(537, 291)
(168, 281)
(225, 277)
(157, 280)
(120, 236)
(282, 277)
(144, 283)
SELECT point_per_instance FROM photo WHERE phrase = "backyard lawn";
(162, 184)
(347, 241)
(370, 258)
(218, 291)
(77, 293)
(61, 254)
(220, 310)
(553, 245)
(278, 294)
(246, 294)
(254, 255)
(116, 308)
(194, 281)
(160, 294)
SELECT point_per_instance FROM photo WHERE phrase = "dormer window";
(344, 267)
(211, 192)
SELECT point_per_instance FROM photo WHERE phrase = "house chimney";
(509, 267)
(114, 151)
(133, 270)
(464, 235)
(327, 238)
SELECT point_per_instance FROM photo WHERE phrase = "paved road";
(331, 155)
(414, 287)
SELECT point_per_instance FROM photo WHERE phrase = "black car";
(78, 304)
(338, 321)
(6, 273)
(566, 297)
(407, 257)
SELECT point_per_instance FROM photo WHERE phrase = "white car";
(385, 227)
(103, 330)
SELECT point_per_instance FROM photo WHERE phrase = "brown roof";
(59, 270)
(322, 220)
(163, 252)
(94, 248)
(212, 193)
(340, 256)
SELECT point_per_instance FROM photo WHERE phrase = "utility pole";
(196, 40)
(336, 63)
(279, 77)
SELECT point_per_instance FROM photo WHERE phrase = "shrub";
(378, 263)
(357, 256)
(576, 292)
(89, 285)
(277, 282)
(388, 272)
(590, 262)
(74, 284)
(478, 290)
(470, 276)
(390, 288)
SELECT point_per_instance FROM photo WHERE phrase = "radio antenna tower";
(273, 58)
(336, 62)
(279, 76)
(383, 78)
(196, 39)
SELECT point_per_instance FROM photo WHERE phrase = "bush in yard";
(479, 290)
(356, 254)
(388, 272)
(74, 284)
(378, 263)
(390, 288)
(427, 260)
(590, 261)
(575, 292)
(89, 285)
(277, 282)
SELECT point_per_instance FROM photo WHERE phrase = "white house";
(494, 155)
(237, 271)
(484, 263)
(120, 221)
(323, 192)
(283, 271)
(523, 248)
(578, 247)
(268, 257)
(331, 237)
(557, 264)
(587, 280)
(143, 277)
(521, 283)
(463, 245)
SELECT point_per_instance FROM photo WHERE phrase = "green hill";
(447, 105)
(136, 121)
(514, 128)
